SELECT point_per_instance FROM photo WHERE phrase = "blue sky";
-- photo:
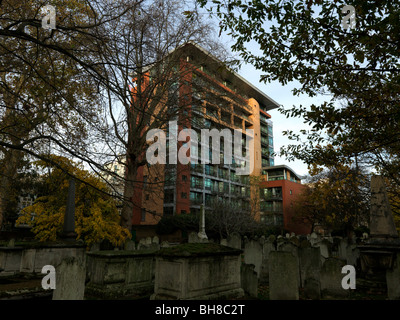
(283, 96)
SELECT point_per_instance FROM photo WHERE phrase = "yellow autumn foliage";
(96, 215)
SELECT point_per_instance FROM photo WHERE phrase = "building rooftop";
(243, 87)
(283, 166)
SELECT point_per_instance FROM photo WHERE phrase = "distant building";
(221, 99)
(217, 98)
(279, 188)
(114, 177)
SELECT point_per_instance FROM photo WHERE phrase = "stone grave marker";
(70, 280)
(283, 276)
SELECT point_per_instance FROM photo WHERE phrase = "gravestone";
(324, 248)
(193, 237)
(314, 238)
(224, 242)
(249, 280)
(235, 241)
(353, 254)
(253, 254)
(70, 280)
(156, 240)
(148, 241)
(378, 252)
(310, 264)
(268, 246)
(142, 244)
(164, 244)
(381, 221)
(283, 276)
(130, 245)
(95, 247)
(11, 243)
(312, 289)
(331, 278)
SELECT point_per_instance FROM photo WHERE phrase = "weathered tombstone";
(331, 278)
(382, 222)
(11, 243)
(235, 241)
(314, 238)
(253, 254)
(95, 246)
(130, 245)
(312, 289)
(70, 280)
(324, 249)
(393, 280)
(353, 253)
(268, 246)
(295, 241)
(283, 276)
(156, 240)
(249, 280)
(224, 242)
(193, 237)
(310, 264)
(289, 247)
(142, 244)
(377, 253)
(164, 244)
(149, 241)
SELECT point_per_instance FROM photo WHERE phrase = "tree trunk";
(129, 190)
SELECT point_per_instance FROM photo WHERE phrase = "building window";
(147, 197)
(290, 192)
(183, 211)
(207, 184)
(143, 217)
(169, 196)
(184, 195)
(184, 178)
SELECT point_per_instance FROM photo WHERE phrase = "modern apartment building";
(279, 188)
(218, 98)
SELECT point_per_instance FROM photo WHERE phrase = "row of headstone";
(149, 243)
(315, 278)
(315, 263)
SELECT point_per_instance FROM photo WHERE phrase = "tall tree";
(96, 215)
(336, 198)
(357, 68)
(108, 78)
(147, 81)
(45, 99)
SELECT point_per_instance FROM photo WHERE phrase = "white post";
(202, 232)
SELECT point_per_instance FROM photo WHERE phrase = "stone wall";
(32, 258)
